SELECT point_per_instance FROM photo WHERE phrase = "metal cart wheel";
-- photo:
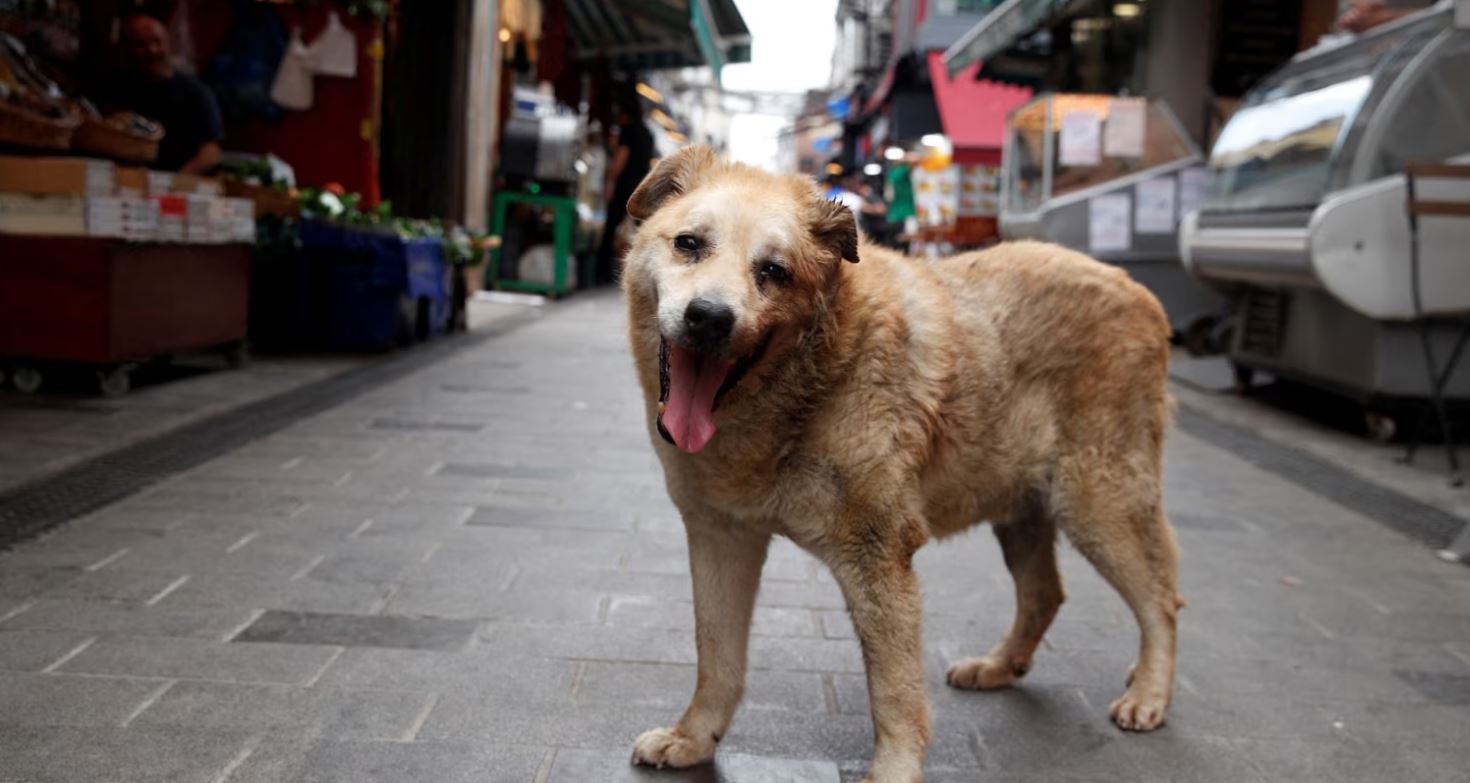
(1380, 427)
(1244, 377)
(236, 355)
(115, 382)
(26, 379)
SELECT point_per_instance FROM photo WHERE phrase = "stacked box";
(50, 215)
(173, 218)
(164, 182)
(57, 176)
(131, 218)
(132, 181)
(233, 220)
(199, 219)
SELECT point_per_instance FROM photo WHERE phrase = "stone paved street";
(473, 574)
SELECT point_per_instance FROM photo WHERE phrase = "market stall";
(1336, 279)
(1110, 177)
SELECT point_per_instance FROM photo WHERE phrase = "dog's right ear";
(678, 173)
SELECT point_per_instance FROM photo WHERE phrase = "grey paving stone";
(1295, 761)
(202, 660)
(513, 640)
(671, 685)
(67, 754)
(115, 584)
(348, 630)
(344, 713)
(576, 766)
(19, 580)
(569, 519)
(494, 679)
(61, 700)
(409, 425)
(489, 470)
(96, 617)
(329, 761)
(648, 612)
(31, 651)
(482, 602)
(235, 591)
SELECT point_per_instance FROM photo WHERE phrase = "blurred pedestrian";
(900, 192)
(837, 190)
(873, 214)
(154, 87)
(630, 158)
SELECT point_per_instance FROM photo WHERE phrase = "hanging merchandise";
(244, 69)
(293, 87)
(334, 52)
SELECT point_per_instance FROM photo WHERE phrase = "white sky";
(791, 51)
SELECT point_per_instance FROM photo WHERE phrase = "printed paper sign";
(1081, 139)
(1109, 223)
(1193, 185)
(1123, 136)
(1155, 207)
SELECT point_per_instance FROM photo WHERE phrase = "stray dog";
(861, 409)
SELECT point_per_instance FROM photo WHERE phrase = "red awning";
(973, 111)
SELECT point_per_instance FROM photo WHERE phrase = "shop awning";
(657, 34)
(973, 111)
(998, 30)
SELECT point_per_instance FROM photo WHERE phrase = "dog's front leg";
(726, 568)
(884, 601)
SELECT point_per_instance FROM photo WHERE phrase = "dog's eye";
(775, 273)
(688, 243)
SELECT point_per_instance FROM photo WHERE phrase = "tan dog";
(861, 409)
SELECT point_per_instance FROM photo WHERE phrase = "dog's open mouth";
(690, 387)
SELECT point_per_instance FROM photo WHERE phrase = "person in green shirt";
(900, 193)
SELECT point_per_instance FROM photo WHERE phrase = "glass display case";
(1062, 144)
(1317, 125)
(1308, 227)
(1111, 177)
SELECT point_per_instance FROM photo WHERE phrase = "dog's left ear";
(833, 226)
(677, 174)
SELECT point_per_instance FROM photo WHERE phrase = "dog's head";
(733, 264)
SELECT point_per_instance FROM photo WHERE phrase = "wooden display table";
(109, 304)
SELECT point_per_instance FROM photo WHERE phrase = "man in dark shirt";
(631, 160)
(154, 88)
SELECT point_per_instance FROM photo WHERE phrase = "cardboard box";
(132, 181)
(123, 217)
(57, 176)
(47, 215)
(162, 182)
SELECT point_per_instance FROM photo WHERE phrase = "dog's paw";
(1139, 710)
(672, 748)
(985, 673)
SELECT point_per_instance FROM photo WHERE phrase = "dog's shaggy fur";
(884, 403)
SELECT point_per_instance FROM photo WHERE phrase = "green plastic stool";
(564, 224)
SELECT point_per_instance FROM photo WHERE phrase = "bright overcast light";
(791, 42)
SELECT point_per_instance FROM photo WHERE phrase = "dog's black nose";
(708, 323)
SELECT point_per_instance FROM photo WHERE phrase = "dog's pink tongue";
(694, 380)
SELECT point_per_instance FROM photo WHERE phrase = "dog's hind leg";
(726, 568)
(1029, 546)
(1130, 543)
